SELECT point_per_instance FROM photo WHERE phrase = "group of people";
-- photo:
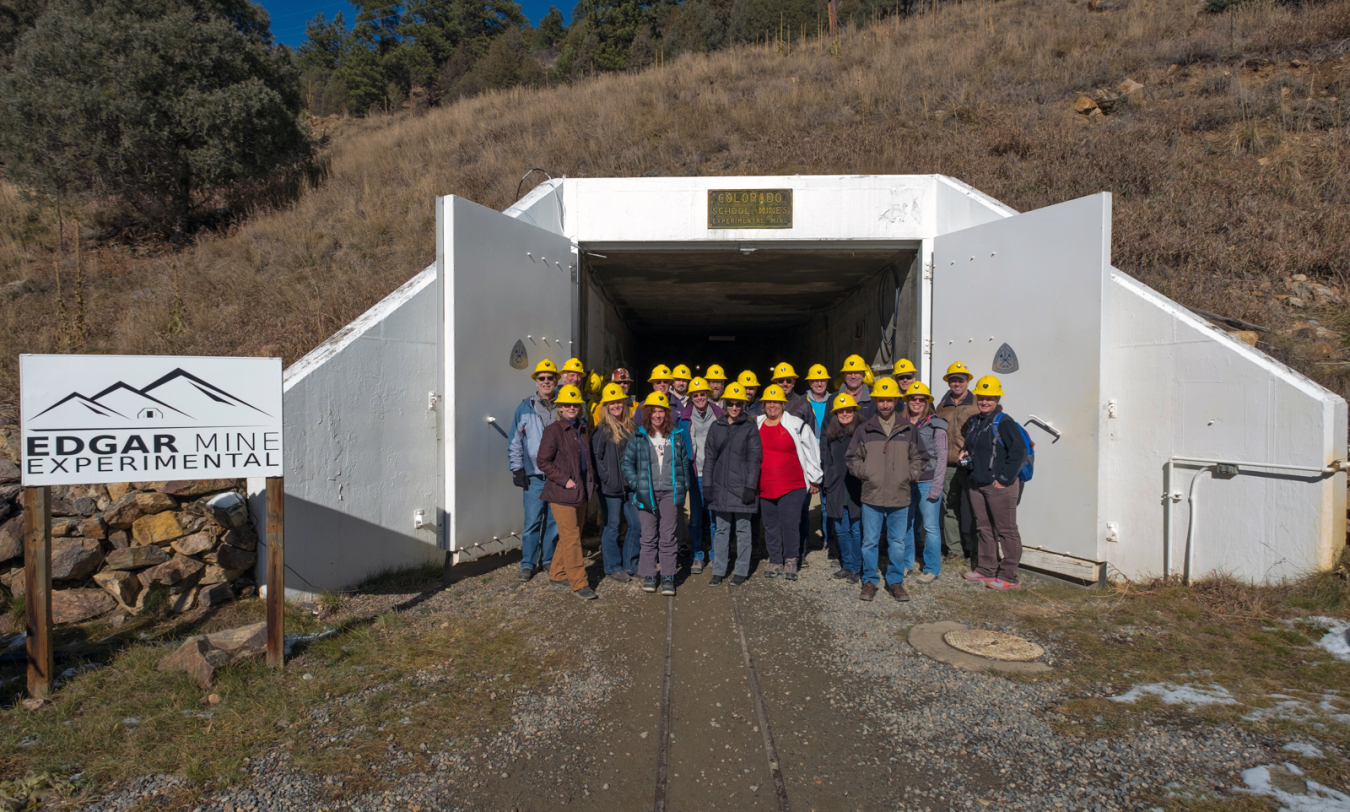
(885, 457)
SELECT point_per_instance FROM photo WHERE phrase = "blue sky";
(289, 16)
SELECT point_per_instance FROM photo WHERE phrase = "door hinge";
(928, 272)
(928, 347)
(433, 400)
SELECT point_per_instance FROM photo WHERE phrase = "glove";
(518, 477)
(749, 496)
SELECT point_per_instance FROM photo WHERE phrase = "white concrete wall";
(362, 450)
(1184, 388)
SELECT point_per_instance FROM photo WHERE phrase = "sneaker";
(737, 580)
(841, 574)
(668, 585)
(974, 575)
(869, 591)
(526, 573)
(898, 592)
(716, 580)
(649, 583)
(998, 583)
(620, 576)
(586, 594)
(773, 570)
(790, 569)
(696, 567)
(852, 577)
(560, 584)
(927, 578)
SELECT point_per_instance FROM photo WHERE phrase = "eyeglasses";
(545, 378)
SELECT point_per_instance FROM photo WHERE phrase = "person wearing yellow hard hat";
(534, 414)
(569, 482)
(717, 382)
(904, 374)
(661, 379)
(789, 472)
(996, 452)
(731, 466)
(857, 379)
(817, 399)
(697, 418)
(572, 373)
(656, 470)
(886, 458)
(750, 381)
(841, 498)
(801, 407)
(925, 495)
(957, 406)
(621, 376)
(681, 375)
(614, 428)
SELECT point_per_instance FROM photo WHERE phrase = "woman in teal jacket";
(656, 470)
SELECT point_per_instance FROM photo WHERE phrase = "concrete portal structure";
(1163, 445)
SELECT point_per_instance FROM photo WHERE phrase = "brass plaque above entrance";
(749, 208)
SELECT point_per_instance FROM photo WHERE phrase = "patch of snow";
(1301, 711)
(1311, 751)
(1316, 798)
(294, 639)
(1188, 694)
(1337, 639)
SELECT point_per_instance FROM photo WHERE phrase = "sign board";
(129, 418)
(749, 208)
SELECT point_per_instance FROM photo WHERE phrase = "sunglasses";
(545, 378)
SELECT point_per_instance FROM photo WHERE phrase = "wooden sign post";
(276, 572)
(37, 572)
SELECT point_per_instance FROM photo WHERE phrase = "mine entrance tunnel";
(746, 307)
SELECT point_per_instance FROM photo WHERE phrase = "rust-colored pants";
(996, 518)
(567, 561)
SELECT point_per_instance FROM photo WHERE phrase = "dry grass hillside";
(1231, 177)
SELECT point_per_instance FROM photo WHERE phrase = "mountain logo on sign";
(178, 396)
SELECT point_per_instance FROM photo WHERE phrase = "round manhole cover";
(994, 645)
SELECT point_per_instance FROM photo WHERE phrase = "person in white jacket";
(790, 470)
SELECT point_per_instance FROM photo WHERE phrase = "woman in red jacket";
(569, 480)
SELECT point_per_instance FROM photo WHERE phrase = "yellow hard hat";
(773, 394)
(869, 378)
(613, 392)
(735, 391)
(715, 373)
(661, 373)
(988, 386)
(854, 363)
(957, 368)
(568, 394)
(574, 365)
(748, 378)
(919, 388)
(657, 399)
(844, 400)
(682, 373)
(818, 372)
(784, 370)
(545, 366)
(886, 388)
(905, 367)
(699, 385)
(595, 382)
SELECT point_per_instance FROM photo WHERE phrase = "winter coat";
(637, 468)
(532, 416)
(560, 457)
(684, 417)
(886, 465)
(731, 460)
(928, 432)
(994, 460)
(608, 457)
(799, 406)
(956, 413)
(804, 438)
(842, 489)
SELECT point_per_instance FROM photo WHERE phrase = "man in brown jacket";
(569, 480)
(886, 458)
(957, 407)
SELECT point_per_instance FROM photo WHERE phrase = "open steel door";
(1023, 298)
(509, 289)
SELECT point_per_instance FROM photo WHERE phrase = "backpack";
(1029, 464)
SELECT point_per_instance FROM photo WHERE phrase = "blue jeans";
(848, 532)
(540, 531)
(616, 557)
(930, 514)
(895, 520)
(699, 513)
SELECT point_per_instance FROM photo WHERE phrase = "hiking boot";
(999, 583)
(974, 575)
(696, 567)
(841, 574)
(737, 580)
(560, 584)
(801, 563)
(716, 580)
(773, 570)
(586, 593)
(927, 578)
(620, 576)
(898, 592)
(790, 569)
(852, 577)
(668, 585)
(526, 573)
(649, 583)
(869, 591)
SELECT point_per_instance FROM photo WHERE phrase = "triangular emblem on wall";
(1005, 360)
(519, 358)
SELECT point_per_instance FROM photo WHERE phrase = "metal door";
(509, 293)
(1023, 298)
